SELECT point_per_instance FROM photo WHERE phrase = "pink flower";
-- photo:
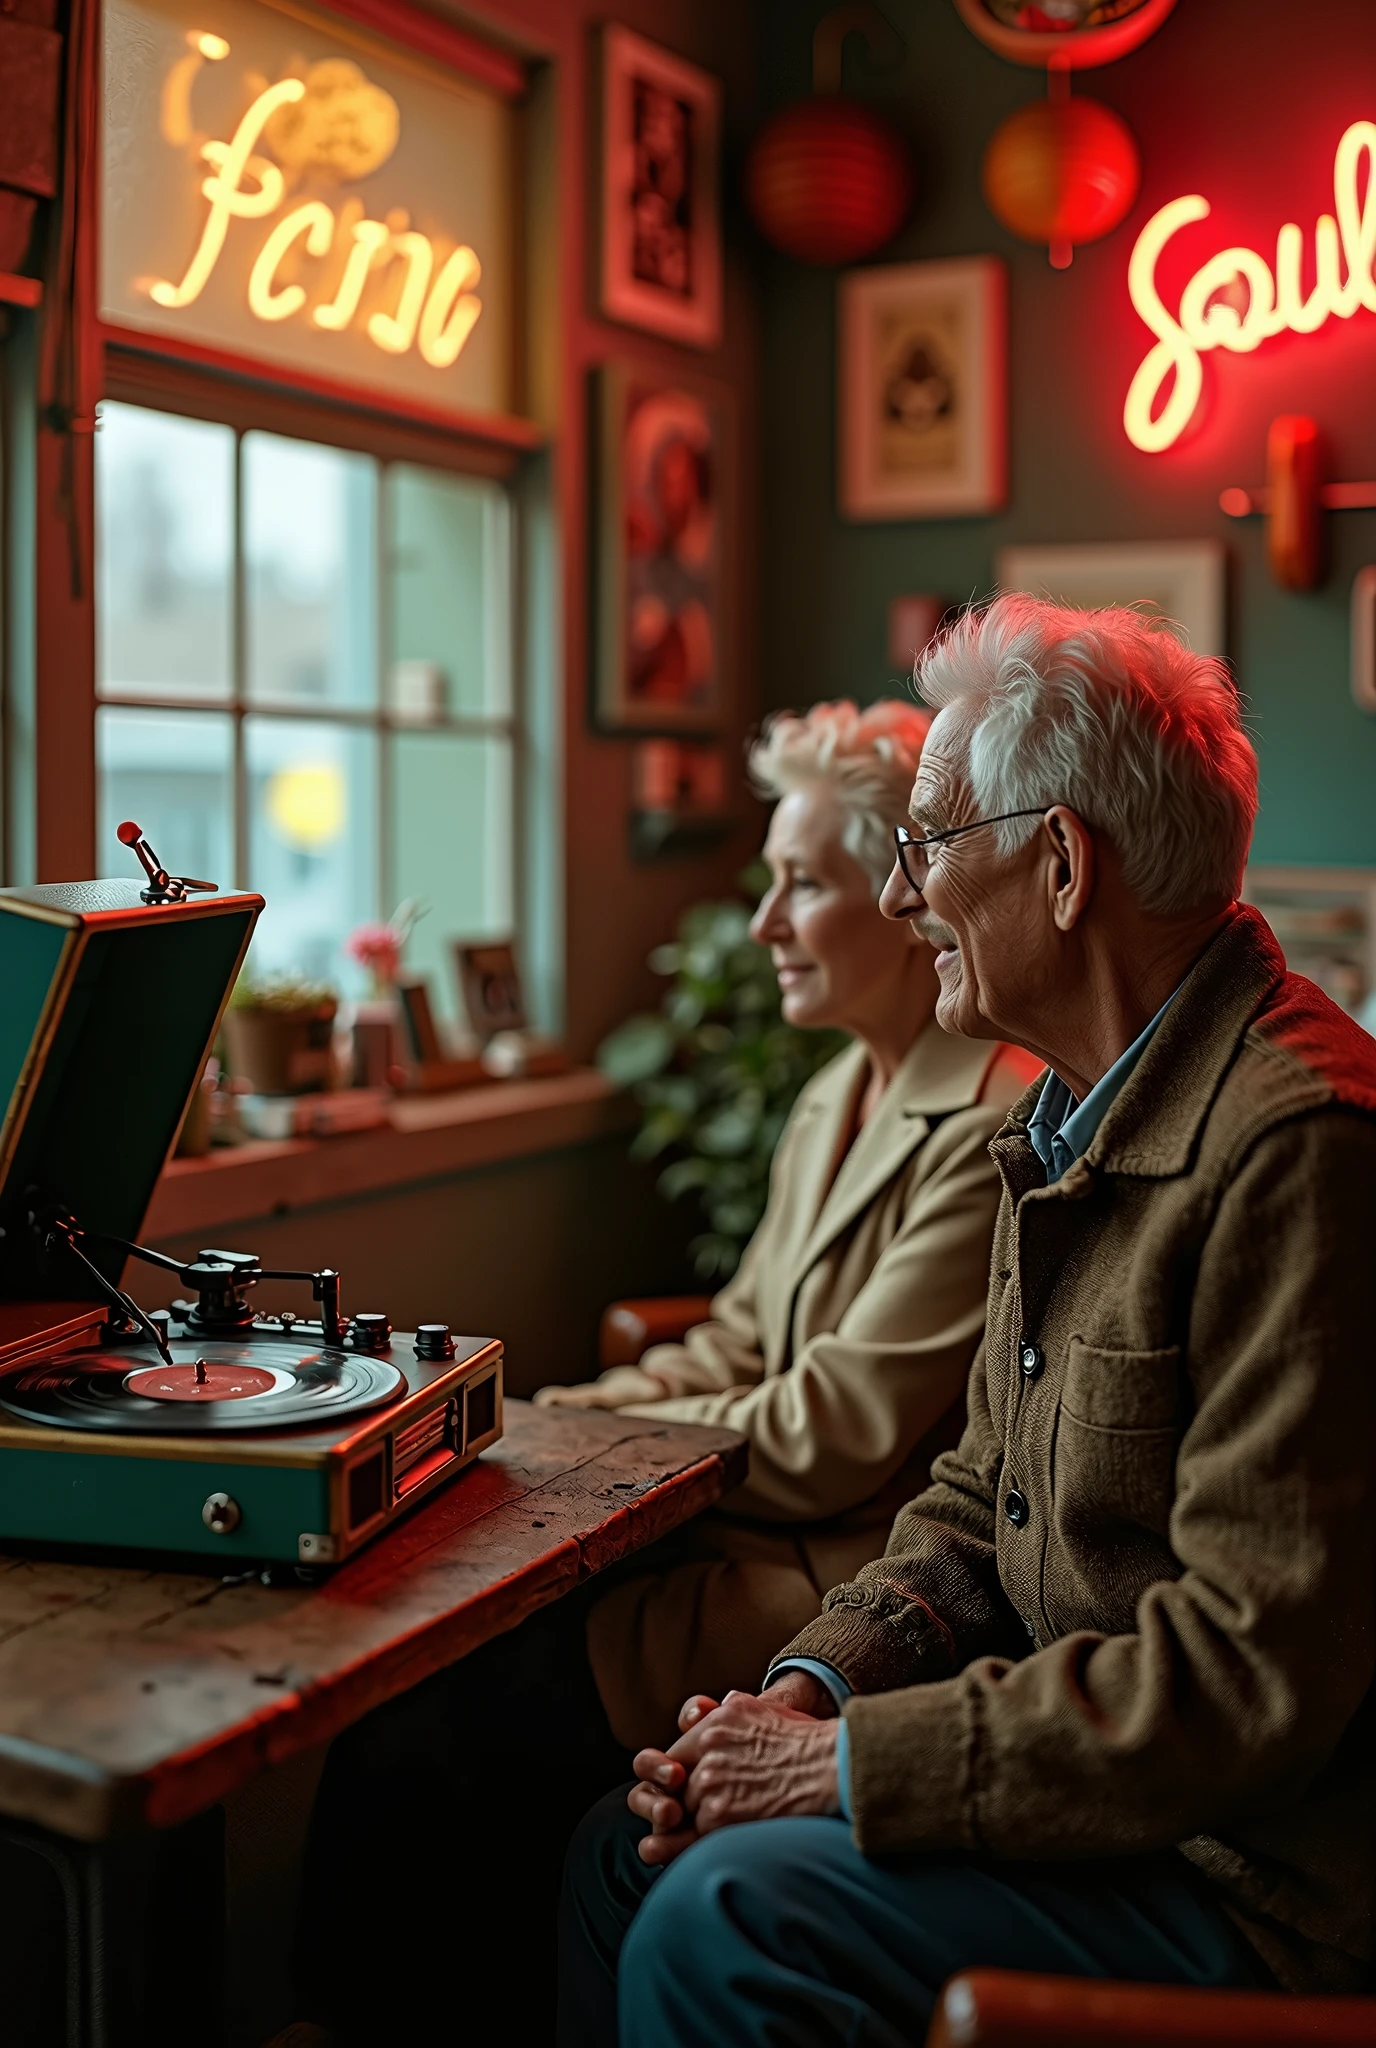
(376, 947)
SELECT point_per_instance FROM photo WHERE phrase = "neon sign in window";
(1166, 389)
(286, 188)
(334, 115)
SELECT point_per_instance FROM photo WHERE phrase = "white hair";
(1109, 713)
(868, 758)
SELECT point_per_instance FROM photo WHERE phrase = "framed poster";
(661, 204)
(1183, 580)
(922, 404)
(658, 554)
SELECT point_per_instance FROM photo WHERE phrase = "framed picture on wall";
(661, 203)
(657, 553)
(1325, 922)
(1183, 580)
(922, 401)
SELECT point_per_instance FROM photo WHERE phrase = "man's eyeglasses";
(913, 860)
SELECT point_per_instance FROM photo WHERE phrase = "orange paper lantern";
(828, 181)
(1062, 171)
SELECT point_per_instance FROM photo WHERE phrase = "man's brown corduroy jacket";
(1137, 1605)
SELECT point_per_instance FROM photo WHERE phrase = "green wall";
(1242, 100)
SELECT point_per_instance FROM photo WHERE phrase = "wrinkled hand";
(617, 1388)
(749, 1758)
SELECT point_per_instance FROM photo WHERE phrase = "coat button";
(1016, 1508)
(1031, 1359)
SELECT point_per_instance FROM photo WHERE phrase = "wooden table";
(136, 1698)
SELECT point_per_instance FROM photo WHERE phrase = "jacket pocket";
(1118, 1430)
(1132, 1390)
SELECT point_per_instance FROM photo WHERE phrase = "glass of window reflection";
(164, 555)
(310, 574)
(312, 841)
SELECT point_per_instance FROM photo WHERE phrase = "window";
(304, 673)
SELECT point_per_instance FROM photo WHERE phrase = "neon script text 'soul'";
(435, 310)
(1275, 302)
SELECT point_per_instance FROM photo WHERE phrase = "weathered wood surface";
(134, 1698)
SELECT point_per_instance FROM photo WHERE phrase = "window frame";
(153, 381)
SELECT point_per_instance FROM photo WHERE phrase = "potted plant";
(279, 1033)
(717, 1071)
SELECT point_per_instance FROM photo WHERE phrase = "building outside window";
(304, 673)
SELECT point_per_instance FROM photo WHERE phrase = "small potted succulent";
(279, 1034)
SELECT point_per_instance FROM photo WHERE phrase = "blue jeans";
(780, 1934)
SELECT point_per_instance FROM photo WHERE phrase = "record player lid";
(109, 1010)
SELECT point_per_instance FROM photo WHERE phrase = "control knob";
(433, 1341)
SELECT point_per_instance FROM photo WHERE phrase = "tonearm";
(220, 1280)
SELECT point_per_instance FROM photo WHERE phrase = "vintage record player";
(209, 1430)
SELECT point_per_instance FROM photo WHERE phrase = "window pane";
(164, 554)
(172, 772)
(450, 815)
(310, 562)
(448, 594)
(312, 796)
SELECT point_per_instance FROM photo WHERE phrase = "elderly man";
(1104, 1706)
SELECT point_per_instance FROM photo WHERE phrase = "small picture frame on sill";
(661, 191)
(489, 986)
(921, 406)
(658, 554)
(418, 1025)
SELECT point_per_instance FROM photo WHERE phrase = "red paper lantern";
(1061, 172)
(828, 181)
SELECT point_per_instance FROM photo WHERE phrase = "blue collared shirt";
(1062, 1129)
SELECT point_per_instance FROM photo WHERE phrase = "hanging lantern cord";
(882, 40)
(1059, 254)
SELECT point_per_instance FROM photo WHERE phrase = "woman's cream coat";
(840, 1349)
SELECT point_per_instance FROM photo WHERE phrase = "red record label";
(208, 1379)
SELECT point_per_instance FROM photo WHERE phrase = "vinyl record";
(214, 1387)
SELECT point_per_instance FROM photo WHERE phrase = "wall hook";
(1293, 500)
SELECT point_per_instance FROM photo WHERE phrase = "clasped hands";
(749, 1757)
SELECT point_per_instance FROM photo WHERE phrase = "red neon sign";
(1276, 303)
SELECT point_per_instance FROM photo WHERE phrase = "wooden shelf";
(19, 291)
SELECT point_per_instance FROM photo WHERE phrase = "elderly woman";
(840, 1349)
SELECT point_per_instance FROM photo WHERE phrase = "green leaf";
(731, 1131)
(682, 1177)
(659, 1129)
(636, 1049)
(714, 1257)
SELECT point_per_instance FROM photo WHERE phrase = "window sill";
(428, 1138)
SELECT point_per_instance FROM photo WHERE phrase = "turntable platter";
(212, 1387)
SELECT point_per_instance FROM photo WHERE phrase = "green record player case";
(108, 1010)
